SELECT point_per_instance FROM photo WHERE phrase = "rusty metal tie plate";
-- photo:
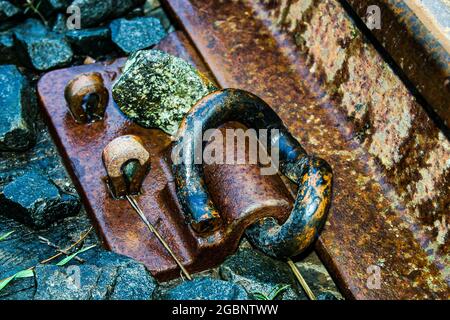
(81, 145)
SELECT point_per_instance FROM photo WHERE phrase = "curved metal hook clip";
(116, 155)
(312, 175)
(87, 85)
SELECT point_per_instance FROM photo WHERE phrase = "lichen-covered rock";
(136, 34)
(93, 12)
(92, 42)
(204, 289)
(36, 201)
(8, 10)
(40, 48)
(157, 89)
(258, 273)
(18, 104)
(107, 277)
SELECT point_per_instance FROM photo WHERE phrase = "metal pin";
(300, 279)
(138, 210)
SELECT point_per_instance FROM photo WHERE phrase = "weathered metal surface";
(312, 175)
(417, 37)
(122, 230)
(342, 102)
(88, 86)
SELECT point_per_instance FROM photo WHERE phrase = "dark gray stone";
(157, 89)
(40, 48)
(104, 276)
(92, 42)
(162, 17)
(204, 289)
(124, 6)
(133, 282)
(327, 296)
(93, 12)
(65, 283)
(20, 289)
(18, 102)
(317, 276)
(8, 10)
(259, 273)
(49, 7)
(31, 26)
(7, 52)
(60, 23)
(23, 249)
(136, 34)
(36, 201)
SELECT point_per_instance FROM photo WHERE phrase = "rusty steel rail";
(389, 214)
(419, 46)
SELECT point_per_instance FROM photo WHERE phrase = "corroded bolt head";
(87, 85)
(116, 155)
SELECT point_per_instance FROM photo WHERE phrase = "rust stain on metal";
(343, 103)
(423, 56)
(122, 230)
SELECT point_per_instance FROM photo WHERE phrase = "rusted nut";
(87, 97)
(116, 155)
(313, 175)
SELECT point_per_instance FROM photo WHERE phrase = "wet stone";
(21, 289)
(106, 277)
(159, 14)
(48, 7)
(66, 283)
(204, 289)
(136, 34)
(124, 6)
(258, 273)
(92, 42)
(36, 201)
(94, 12)
(40, 48)
(17, 99)
(23, 249)
(60, 23)
(157, 89)
(8, 10)
(133, 282)
(327, 296)
(318, 278)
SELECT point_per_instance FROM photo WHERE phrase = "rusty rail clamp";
(312, 175)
